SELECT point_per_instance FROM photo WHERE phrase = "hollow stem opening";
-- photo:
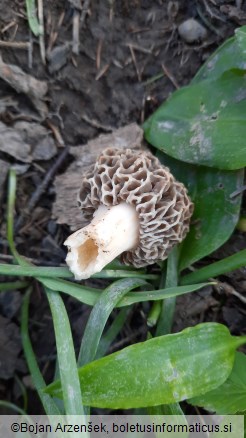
(87, 253)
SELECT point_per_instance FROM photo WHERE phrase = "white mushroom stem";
(112, 231)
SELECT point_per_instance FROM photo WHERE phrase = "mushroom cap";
(138, 178)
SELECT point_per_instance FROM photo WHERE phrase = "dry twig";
(229, 290)
(96, 124)
(135, 62)
(170, 76)
(102, 72)
(140, 48)
(8, 26)
(212, 14)
(76, 23)
(30, 50)
(54, 34)
(56, 134)
(85, 11)
(237, 192)
(99, 51)
(15, 44)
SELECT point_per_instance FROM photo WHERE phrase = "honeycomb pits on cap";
(134, 207)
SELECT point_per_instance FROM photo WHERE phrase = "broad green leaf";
(230, 397)
(231, 54)
(241, 40)
(204, 123)
(159, 371)
(216, 212)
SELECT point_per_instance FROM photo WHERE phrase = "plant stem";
(165, 321)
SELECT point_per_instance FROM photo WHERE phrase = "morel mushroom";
(135, 207)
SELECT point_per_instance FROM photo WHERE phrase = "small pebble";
(191, 30)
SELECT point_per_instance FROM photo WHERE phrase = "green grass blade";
(124, 274)
(25, 417)
(89, 296)
(10, 218)
(228, 264)
(66, 356)
(100, 314)
(10, 212)
(175, 411)
(23, 392)
(68, 368)
(112, 332)
(82, 293)
(37, 378)
(168, 306)
(56, 272)
(32, 18)
(34, 271)
(13, 285)
(18, 410)
(154, 313)
(153, 295)
(12, 406)
(116, 264)
(165, 321)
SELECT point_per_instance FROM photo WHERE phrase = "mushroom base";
(112, 231)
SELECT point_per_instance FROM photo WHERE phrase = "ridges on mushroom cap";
(138, 178)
